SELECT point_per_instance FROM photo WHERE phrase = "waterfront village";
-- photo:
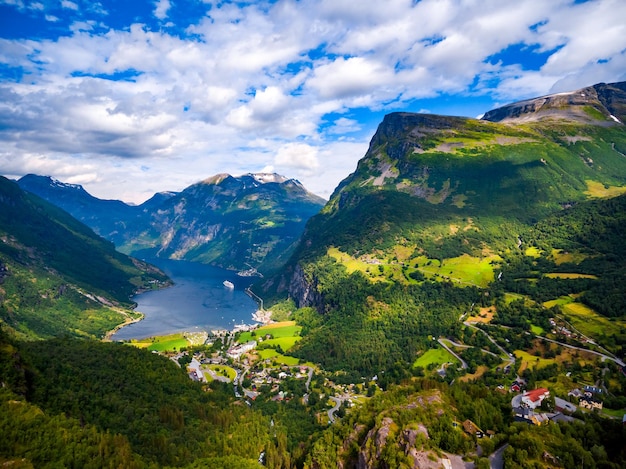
(254, 359)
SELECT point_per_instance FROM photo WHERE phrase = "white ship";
(228, 284)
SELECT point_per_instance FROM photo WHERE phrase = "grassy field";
(533, 252)
(561, 257)
(285, 343)
(590, 323)
(480, 370)
(537, 330)
(561, 301)
(277, 357)
(222, 370)
(526, 360)
(438, 356)
(465, 269)
(569, 275)
(509, 297)
(278, 330)
(166, 343)
(598, 190)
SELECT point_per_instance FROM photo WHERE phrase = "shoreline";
(108, 337)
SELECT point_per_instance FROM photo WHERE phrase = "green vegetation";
(138, 408)
(226, 371)
(58, 277)
(434, 356)
(166, 343)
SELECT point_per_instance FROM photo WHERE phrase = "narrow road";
(463, 364)
(510, 357)
(308, 380)
(331, 412)
(606, 357)
(496, 459)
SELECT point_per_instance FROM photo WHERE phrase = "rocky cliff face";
(600, 103)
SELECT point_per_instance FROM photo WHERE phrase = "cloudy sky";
(129, 98)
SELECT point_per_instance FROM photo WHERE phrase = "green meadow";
(270, 353)
(279, 330)
(222, 370)
(437, 356)
(465, 269)
(590, 323)
(166, 343)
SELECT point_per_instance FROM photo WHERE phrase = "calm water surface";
(197, 301)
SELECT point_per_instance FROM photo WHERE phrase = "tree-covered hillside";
(444, 215)
(56, 275)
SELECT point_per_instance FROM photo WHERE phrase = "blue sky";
(129, 98)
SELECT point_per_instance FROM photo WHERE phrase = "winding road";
(463, 364)
(606, 357)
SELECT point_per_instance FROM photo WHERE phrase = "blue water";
(197, 301)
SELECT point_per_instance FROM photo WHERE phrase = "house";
(575, 393)
(195, 372)
(533, 399)
(591, 403)
(524, 414)
(471, 428)
(592, 390)
(239, 350)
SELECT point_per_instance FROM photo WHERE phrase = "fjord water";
(198, 300)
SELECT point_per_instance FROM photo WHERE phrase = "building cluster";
(588, 398)
(238, 350)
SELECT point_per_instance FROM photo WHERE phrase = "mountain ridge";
(445, 203)
(233, 222)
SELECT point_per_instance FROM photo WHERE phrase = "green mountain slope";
(440, 206)
(57, 276)
(234, 222)
(251, 221)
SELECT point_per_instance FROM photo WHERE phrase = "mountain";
(58, 276)
(592, 105)
(234, 222)
(108, 218)
(252, 221)
(439, 206)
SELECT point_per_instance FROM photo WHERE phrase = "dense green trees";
(368, 327)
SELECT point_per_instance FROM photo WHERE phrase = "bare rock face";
(371, 450)
(601, 102)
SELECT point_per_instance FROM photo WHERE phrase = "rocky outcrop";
(304, 291)
(599, 103)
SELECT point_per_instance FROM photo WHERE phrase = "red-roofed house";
(533, 398)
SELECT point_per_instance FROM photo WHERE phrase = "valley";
(459, 300)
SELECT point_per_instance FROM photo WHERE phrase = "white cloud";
(274, 84)
(344, 125)
(69, 5)
(161, 8)
(297, 155)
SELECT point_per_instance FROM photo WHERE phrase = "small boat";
(228, 284)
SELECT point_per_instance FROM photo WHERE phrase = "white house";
(533, 399)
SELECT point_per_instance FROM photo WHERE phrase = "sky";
(130, 98)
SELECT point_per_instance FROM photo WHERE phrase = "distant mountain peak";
(598, 104)
(50, 182)
(265, 178)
